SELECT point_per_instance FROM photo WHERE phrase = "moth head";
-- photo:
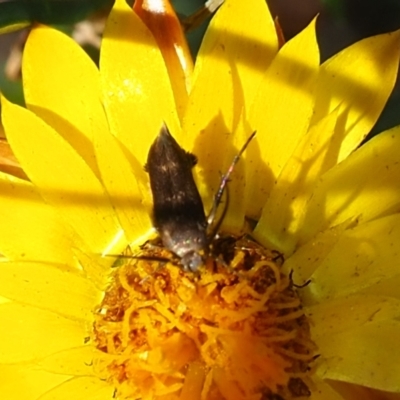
(189, 244)
(192, 261)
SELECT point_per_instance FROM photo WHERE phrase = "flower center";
(235, 330)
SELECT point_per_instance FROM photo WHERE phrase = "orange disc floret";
(235, 330)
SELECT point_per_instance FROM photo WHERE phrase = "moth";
(178, 211)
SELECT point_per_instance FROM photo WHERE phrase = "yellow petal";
(127, 185)
(228, 68)
(15, 27)
(30, 229)
(250, 46)
(364, 185)
(95, 267)
(363, 257)
(353, 391)
(137, 93)
(234, 197)
(4, 300)
(29, 333)
(287, 89)
(308, 257)
(284, 209)
(346, 313)
(62, 176)
(76, 361)
(62, 87)
(80, 388)
(161, 19)
(386, 287)
(324, 391)
(26, 381)
(213, 130)
(49, 288)
(367, 355)
(360, 78)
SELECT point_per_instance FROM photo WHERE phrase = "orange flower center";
(235, 330)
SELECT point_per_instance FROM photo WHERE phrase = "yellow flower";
(330, 208)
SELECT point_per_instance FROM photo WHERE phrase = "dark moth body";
(178, 212)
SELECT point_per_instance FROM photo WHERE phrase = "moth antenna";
(224, 182)
(215, 229)
(194, 20)
(138, 257)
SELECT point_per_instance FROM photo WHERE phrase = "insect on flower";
(178, 211)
